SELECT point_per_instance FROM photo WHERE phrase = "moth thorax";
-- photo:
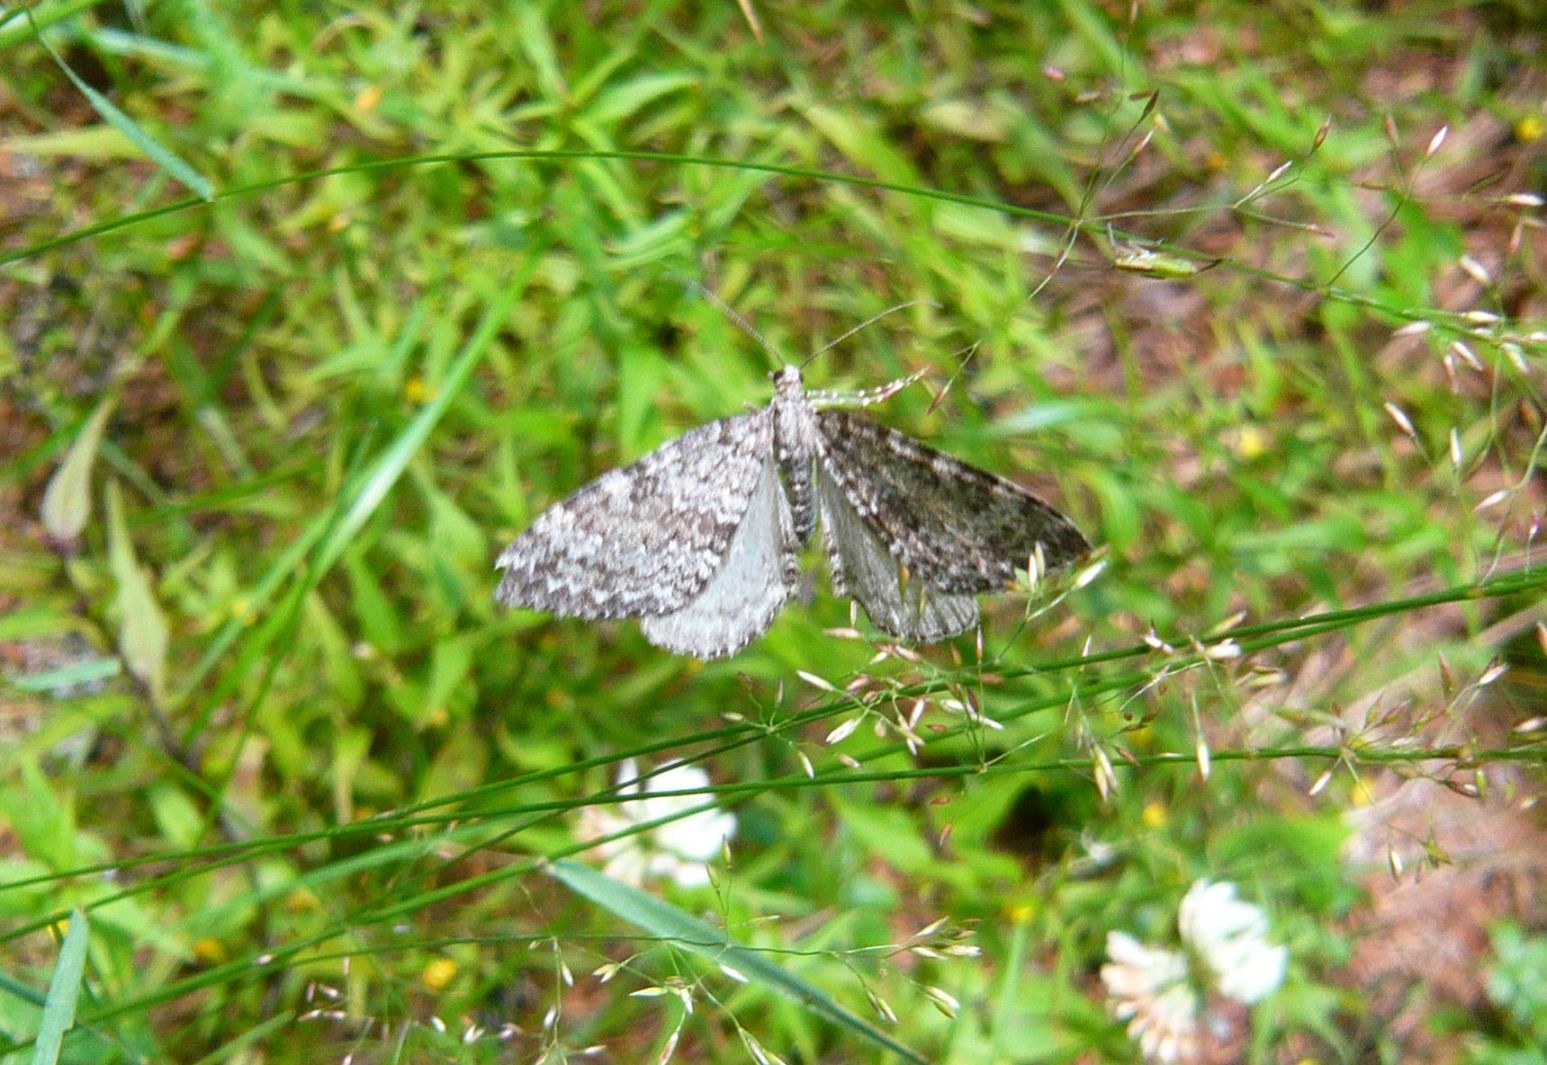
(795, 431)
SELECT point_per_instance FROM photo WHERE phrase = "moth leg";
(823, 399)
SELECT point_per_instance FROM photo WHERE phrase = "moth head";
(788, 381)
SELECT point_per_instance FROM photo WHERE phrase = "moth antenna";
(825, 348)
(740, 322)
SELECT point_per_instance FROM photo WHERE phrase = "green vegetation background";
(308, 309)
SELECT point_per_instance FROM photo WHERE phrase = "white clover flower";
(1228, 937)
(1165, 995)
(677, 849)
(1149, 989)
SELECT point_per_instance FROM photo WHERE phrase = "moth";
(700, 538)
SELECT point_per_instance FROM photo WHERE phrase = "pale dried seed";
(817, 682)
(1399, 416)
(1491, 674)
(1475, 270)
(1467, 355)
(843, 731)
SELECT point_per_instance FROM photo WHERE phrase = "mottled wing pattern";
(741, 600)
(862, 567)
(647, 538)
(955, 528)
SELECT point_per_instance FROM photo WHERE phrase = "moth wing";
(863, 568)
(644, 539)
(955, 527)
(741, 600)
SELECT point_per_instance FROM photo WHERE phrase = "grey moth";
(700, 538)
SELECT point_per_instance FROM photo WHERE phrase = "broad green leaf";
(36, 619)
(861, 142)
(979, 120)
(530, 32)
(86, 671)
(67, 502)
(64, 991)
(888, 832)
(176, 815)
(99, 142)
(451, 661)
(38, 818)
(621, 101)
(142, 637)
(46, 15)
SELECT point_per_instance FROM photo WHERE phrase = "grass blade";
(64, 990)
(154, 150)
(330, 532)
(660, 918)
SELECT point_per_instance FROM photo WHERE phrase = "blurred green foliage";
(451, 270)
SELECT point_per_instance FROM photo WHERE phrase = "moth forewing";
(646, 538)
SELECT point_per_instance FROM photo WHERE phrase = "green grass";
(264, 725)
